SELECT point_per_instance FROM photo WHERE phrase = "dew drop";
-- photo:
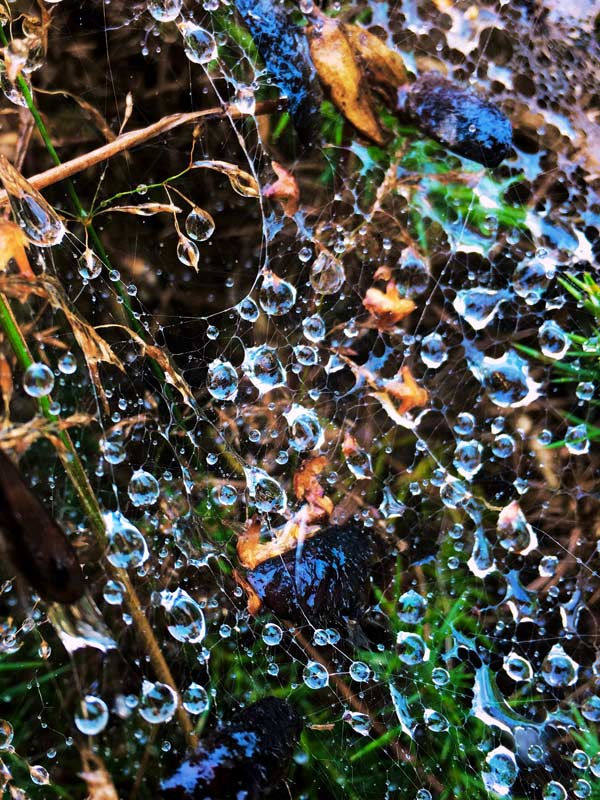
(67, 364)
(39, 775)
(361, 723)
(38, 380)
(158, 702)
(267, 495)
(164, 10)
(89, 265)
(199, 45)
(558, 669)
(412, 649)
(222, 380)
(315, 676)
(92, 717)
(501, 771)
(199, 225)
(248, 310)
(306, 432)
(554, 342)
(263, 368)
(195, 699)
(143, 489)
(327, 274)
(185, 617)
(128, 548)
(272, 634)
(276, 296)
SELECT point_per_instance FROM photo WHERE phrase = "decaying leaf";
(387, 308)
(145, 209)
(241, 182)
(19, 438)
(340, 72)
(99, 783)
(43, 227)
(384, 67)
(307, 487)
(285, 189)
(404, 388)
(252, 552)
(6, 385)
(13, 243)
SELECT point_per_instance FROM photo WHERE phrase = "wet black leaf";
(248, 759)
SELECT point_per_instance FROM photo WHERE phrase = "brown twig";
(127, 141)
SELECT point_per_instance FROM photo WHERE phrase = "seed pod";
(459, 119)
(36, 544)
(285, 52)
(324, 579)
(249, 758)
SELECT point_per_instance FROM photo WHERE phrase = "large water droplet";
(92, 716)
(501, 771)
(517, 667)
(38, 380)
(506, 379)
(222, 380)
(272, 634)
(412, 649)
(267, 495)
(248, 310)
(433, 351)
(89, 265)
(554, 342)
(186, 618)
(558, 669)
(576, 440)
(263, 367)
(305, 429)
(411, 607)
(467, 458)
(39, 775)
(514, 532)
(276, 296)
(128, 548)
(143, 489)
(195, 699)
(327, 274)
(531, 278)
(158, 703)
(359, 722)
(478, 306)
(199, 45)
(164, 10)
(315, 676)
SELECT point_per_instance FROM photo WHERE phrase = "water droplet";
(576, 440)
(531, 278)
(266, 493)
(411, 607)
(248, 310)
(478, 306)
(222, 380)
(315, 676)
(440, 676)
(314, 328)
(548, 565)
(412, 649)
(164, 10)
(6, 734)
(502, 771)
(195, 699)
(554, 342)
(244, 100)
(359, 671)
(226, 495)
(305, 429)
(503, 446)
(411, 273)
(467, 458)
(143, 489)
(113, 448)
(361, 723)
(114, 592)
(89, 265)
(433, 351)
(514, 532)
(92, 716)
(276, 296)
(555, 791)
(506, 379)
(585, 390)
(67, 364)
(327, 274)
(582, 789)
(128, 548)
(199, 45)
(38, 380)
(39, 221)
(263, 368)
(185, 617)
(435, 721)
(590, 708)
(199, 225)
(187, 252)
(272, 634)
(158, 703)
(39, 775)
(517, 667)
(558, 669)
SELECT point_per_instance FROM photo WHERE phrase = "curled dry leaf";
(404, 388)
(241, 182)
(252, 552)
(146, 209)
(340, 72)
(387, 308)
(285, 189)
(12, 245)
(307, 487)
(384, 67)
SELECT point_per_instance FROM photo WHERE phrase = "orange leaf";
(285, 189)
(407, 390)
(339, 70)
(12, 245)
(388, 308)
(306, 486)
(384, 67)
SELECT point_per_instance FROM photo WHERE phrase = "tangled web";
(239, 367)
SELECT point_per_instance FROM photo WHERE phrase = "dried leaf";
(307, 487)
(252, 552)
(384, 67)
(340, 72)
(19, 438)
(241, 182)
(387, 308)
(6, 384)
(145, 209)
(98, 781)
(285, 189)
(12, 245)
(402, 387)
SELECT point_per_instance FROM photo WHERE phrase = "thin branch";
(127, 141)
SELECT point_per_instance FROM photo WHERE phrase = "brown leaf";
(285, 189)
(242, 182)
(307, 487)
(12, 245)
(6, 385)
(407, 390)
(146, 209)
(98, 781)
(340, 72)
(384, 67)
(387, 308)
(252, 552)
